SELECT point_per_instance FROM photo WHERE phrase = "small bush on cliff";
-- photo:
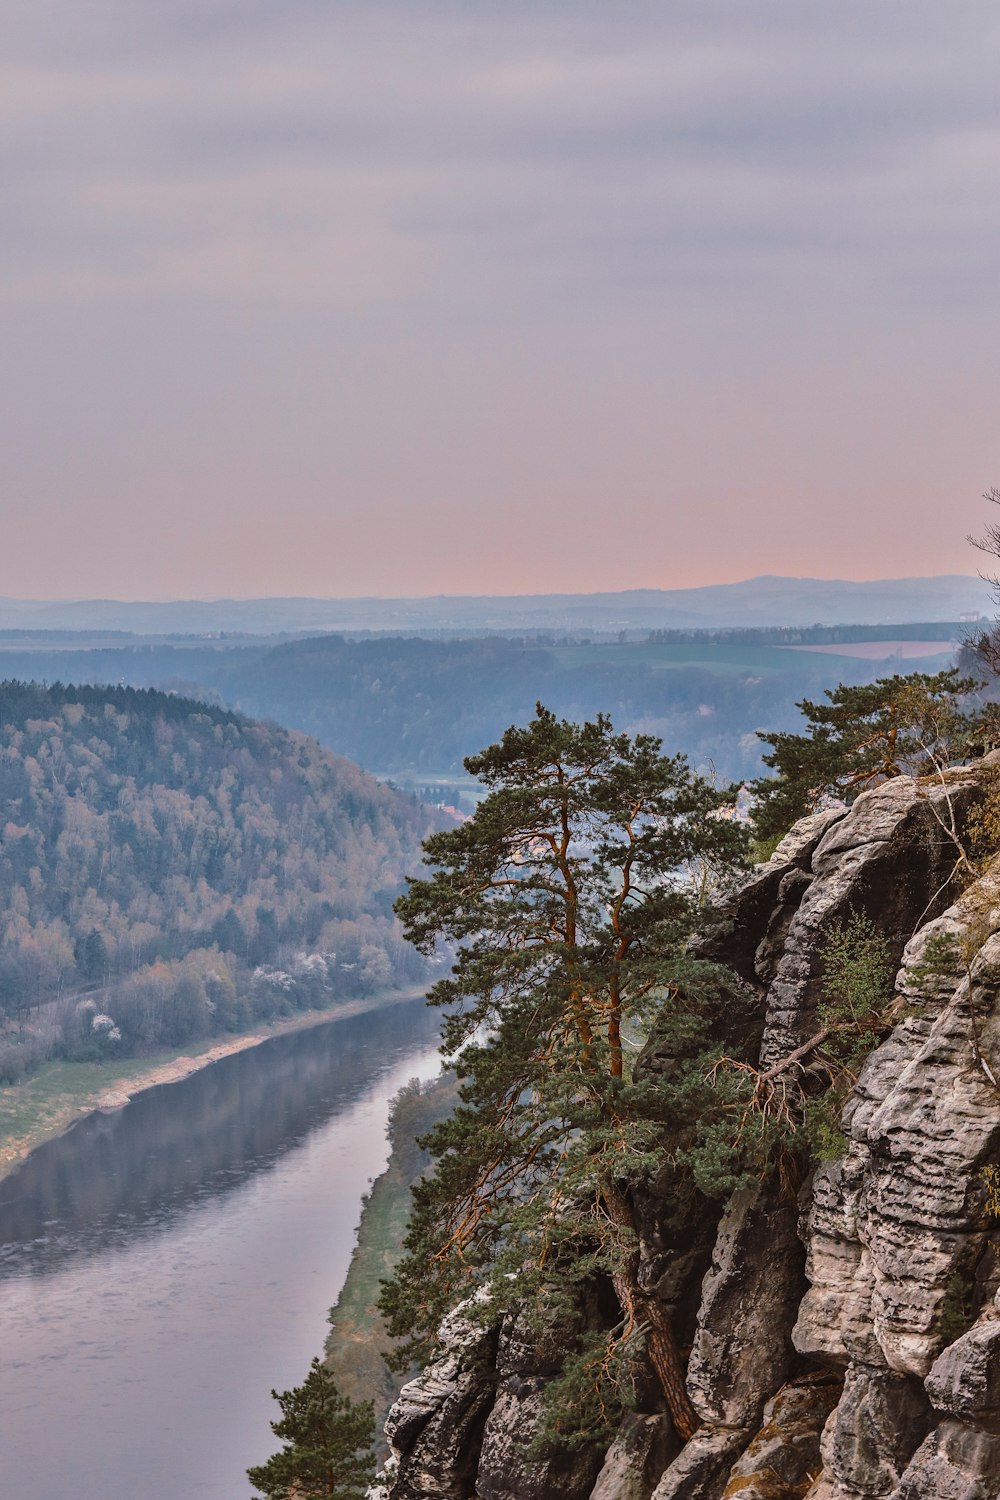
(989, 1177)
(957, 1309)
(857, 986)
(983, 825)
(821, 1132)
(748, 1124)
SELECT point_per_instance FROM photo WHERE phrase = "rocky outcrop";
(844, 1345)
(761, 910)
(473, 1422)
(643, 1449)
(435, 1428)
(742, 1352)
(964, 1381)
(890, 858)
(784, 1456)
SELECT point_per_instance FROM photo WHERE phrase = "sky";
(409, 297)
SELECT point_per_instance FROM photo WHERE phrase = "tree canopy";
(569, 896)
(862, 735)
(327, 1448)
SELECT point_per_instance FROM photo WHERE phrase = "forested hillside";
(169, 870)
(416, 707)
(395, 704)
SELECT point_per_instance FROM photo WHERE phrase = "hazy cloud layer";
(407, 297)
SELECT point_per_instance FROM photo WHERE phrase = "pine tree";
(327, 1444)
(863, 735)
(567, 896)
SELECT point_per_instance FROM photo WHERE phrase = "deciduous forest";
(170, 870)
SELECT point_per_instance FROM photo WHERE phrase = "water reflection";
(115, 1177)
(177, 1260)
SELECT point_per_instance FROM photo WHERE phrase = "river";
(163, 1267)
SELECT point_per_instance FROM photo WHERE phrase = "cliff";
(844, 1329)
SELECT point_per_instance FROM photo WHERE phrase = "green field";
(711, 656)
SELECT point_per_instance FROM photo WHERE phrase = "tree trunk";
(649, 1315)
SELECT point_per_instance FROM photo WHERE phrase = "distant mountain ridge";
(767, 600)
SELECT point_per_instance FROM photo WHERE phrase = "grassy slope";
(357, 1334)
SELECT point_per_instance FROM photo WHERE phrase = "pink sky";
(361, 300)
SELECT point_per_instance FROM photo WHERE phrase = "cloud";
(664, 133)
(492, 222)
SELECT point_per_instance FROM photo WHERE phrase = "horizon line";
(912, 578)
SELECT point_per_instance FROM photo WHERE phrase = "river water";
(163, 1267)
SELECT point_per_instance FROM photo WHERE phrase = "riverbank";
(357, 1338)
(53, 1099)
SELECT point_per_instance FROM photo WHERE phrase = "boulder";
(701, 1469)
(964, 1381)
(642, 1449)
(880, 1421)
(784, 1454)
(953, 1463)
(512, 1464)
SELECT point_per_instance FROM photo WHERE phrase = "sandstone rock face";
(784, 1455)
(879, 1422)
(888, 857)
(760, 905)
(953, 1463)
(960, 1459)
(844, 1347)
(643, 1448)
(434, 1430)
(444, 1456)
(507, 1469)
(701, 1470)
(964, 1380)
(435, 1435)
(834, 1317)
(742, 1351)
(896, 1229)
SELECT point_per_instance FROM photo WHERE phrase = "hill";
(171, 870)
(412, 708)
(753, 601)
